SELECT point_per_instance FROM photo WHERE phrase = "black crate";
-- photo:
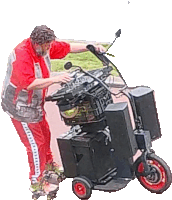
(89, 109)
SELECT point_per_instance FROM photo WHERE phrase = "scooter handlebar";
(100, 56)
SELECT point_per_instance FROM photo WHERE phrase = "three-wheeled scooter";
(98, 150)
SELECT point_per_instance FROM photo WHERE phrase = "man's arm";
(78, 47)
(46, 82)
(75, 47)
(40, 83)
(82, 47)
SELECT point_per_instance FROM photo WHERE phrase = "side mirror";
(118, 33)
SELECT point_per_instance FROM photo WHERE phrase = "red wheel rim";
(147, 181)
(80, 189)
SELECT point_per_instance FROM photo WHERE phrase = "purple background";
(142, 55)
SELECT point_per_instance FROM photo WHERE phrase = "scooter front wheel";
(160, 177)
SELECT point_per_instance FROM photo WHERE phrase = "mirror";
(118, 33)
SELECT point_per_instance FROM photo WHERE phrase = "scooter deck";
(113, 185)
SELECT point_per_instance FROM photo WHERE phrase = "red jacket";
(24, 66)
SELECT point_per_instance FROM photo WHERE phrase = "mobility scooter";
(98, 150)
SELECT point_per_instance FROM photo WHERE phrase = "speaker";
(119, 122)
(143, 98)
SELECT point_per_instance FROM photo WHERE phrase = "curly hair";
(42, 34)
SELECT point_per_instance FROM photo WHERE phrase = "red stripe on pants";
(36, 138)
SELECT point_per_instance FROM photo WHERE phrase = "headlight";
(70, 113)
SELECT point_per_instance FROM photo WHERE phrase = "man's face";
(41, 50)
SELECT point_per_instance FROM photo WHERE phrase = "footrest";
(113, 185)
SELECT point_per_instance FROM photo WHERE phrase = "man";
(24, 90)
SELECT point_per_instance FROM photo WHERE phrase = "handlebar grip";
(91, 48)
(50, 98)
(100, 56)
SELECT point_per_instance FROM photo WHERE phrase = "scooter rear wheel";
(81, 187)
(160, 177)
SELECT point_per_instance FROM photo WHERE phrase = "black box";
(87, 155)
(119, 122)
(67, 155)
(143, 98)
(143, 139)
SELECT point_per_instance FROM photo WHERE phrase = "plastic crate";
(90, 109)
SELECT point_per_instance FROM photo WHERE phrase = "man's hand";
(46, 82)
(63, 78)
(100, 48)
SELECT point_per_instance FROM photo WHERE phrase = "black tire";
(160, 178)
(82, 187)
